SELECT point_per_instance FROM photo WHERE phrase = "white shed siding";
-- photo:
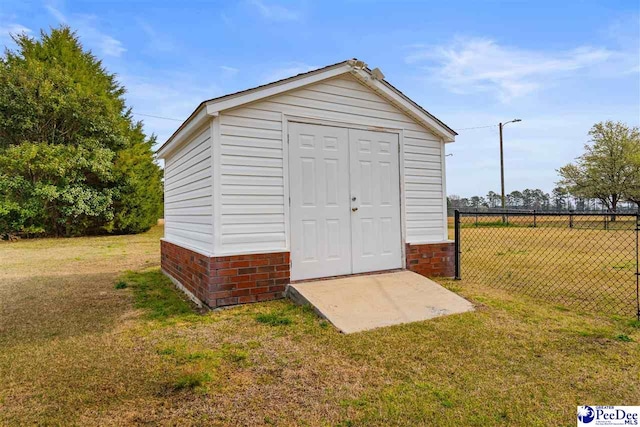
(423, 187)
(188, 195)
(252, 173)
(251, 181)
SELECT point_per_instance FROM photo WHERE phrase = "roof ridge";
(217, 98)
(356, 66)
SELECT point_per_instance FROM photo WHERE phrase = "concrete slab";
(359, 303)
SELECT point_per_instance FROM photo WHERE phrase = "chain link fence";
(587, 261)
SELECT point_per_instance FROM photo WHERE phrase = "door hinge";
(288, 137)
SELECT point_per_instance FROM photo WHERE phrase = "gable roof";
(358, 69)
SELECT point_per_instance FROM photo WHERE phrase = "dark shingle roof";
(319, 70)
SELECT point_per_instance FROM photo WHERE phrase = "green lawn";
(590, 269)
(84, 342)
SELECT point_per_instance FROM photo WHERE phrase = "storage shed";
(328, 173)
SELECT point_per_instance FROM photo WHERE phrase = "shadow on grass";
(58, 306)
(158, 297)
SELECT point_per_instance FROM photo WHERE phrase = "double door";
(345, 201)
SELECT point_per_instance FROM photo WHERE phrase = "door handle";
(354, 209)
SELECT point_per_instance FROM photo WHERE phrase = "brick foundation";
(239, 279)
(431, 260)
(227, 280)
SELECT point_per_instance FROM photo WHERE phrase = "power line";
(478, 127)
(157, 117)
(181, 120)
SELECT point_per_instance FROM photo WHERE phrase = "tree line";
(606, 177)
(558, 200)
(72, 159)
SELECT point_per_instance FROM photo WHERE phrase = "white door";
(319, 191)
(375, 201)
(345, 201)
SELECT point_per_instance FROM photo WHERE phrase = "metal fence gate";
(587, 261)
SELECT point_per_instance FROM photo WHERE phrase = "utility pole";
(502, 196)
(502, 170)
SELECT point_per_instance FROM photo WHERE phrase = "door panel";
(332, 233)
(319, 190)
(375, 214)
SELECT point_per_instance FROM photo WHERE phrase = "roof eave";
(193, 122)
(212, 108)
(406, 104)
(286, 85)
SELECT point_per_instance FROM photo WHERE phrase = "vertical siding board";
(287, 197)
(217, 184)
(445, 222)
(403, 192)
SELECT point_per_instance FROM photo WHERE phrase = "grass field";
(84, 343)
(589, 266)
(591, 222)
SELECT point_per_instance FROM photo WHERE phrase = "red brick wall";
(189, 268)
(227, 280)
(239, 279)
(431, 260)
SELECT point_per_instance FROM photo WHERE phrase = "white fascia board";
(198, 119)
(399, 100)
(213, 107)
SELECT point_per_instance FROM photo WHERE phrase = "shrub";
(72, 160)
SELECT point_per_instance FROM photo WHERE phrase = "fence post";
(570, 219)
(534, 219)
(637, 268)
(606, 224)
(456, 245)
(476, 216)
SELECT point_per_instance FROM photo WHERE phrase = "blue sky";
(560, 66)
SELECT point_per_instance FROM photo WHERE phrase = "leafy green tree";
(633, 192)
(138, 204)
(477, 202)
(514, 199)
(536, 199)
(72, 160)
(560, 195)
(607, 170)
(494, 199)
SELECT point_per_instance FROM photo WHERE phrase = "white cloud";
(110, 46)
(230, 71)
(482, 65)
(287, 70)
(87, 27)
(13, 29)
(226, 20)
(533, 149)
(625, 31)
(275, 12)
(158, 42)
(168, 95)
(56, 14)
